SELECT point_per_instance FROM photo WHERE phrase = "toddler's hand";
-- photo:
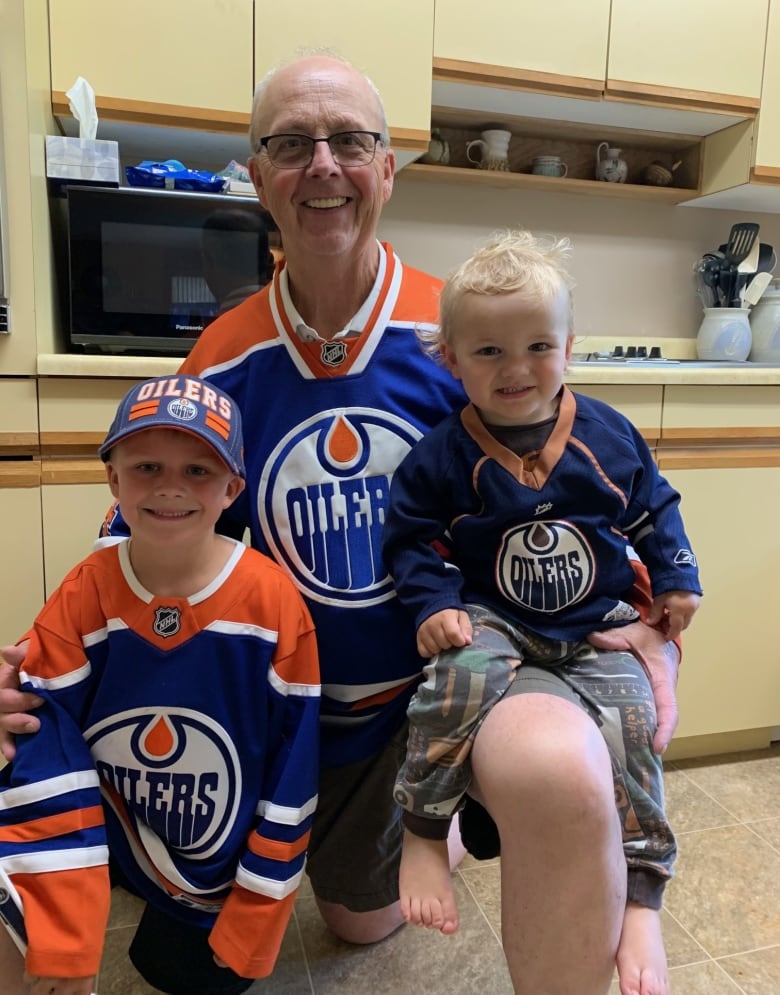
(674, 610)
(447, 628)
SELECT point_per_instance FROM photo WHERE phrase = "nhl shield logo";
(333, 353)
(167, 622)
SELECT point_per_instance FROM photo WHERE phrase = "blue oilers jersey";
(181, 736)
(543, 542)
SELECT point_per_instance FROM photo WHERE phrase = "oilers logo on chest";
(184, 778)
(322, 501)
(545, 566)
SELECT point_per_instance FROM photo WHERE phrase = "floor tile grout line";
(482, 911)
(691, 937)
(304, 953)
(726, 974)
(711, 797)
(749, 826)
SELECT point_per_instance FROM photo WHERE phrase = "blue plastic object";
(174, 175)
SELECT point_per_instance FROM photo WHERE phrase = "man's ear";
(257, 180)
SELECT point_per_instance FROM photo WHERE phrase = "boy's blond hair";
(509, 261)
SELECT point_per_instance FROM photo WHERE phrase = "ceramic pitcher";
(609, 166)
(494, 149)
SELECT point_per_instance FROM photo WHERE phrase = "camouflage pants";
(462, 685)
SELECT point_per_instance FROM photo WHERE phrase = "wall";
(632, 260)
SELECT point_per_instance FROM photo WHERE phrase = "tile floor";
(721, 922)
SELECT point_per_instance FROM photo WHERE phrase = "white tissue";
(81, 97)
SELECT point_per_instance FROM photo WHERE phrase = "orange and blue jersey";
(180, 735)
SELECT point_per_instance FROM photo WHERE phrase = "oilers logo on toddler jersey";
(545, 566)
(322, 501)
(184, 780)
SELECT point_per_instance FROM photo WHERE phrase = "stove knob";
(641, 352)
(655, 352)
(631, 352)
(617, 352)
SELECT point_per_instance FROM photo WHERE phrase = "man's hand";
(14, 704)
(442, 630)
(661, 661)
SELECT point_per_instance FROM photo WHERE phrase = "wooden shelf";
(526, 181)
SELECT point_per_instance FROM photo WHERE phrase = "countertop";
(134, 367)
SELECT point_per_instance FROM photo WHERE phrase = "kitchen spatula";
(756, 287)
(740, 242)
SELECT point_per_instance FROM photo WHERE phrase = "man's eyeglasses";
(348, 148)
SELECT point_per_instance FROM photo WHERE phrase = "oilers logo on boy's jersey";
(545, 566)
(175, 769)
(322, 502)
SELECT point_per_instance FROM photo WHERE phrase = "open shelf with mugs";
(470, 147)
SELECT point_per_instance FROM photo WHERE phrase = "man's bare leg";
(641, 957)
(542, 770)
(425, 883)
(370, 927)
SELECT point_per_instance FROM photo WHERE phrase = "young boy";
(179, 726)
(534, 490)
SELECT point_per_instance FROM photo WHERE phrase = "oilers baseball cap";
(185, 403)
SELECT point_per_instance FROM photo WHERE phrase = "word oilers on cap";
(186, 403)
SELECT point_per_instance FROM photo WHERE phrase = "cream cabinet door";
(21, 552)
(730, 676)
(392, 43)
(192, 55)
(712, 48)
(767, 148)
(568, 38)
(72, 515)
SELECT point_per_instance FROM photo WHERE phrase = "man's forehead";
(331, 95)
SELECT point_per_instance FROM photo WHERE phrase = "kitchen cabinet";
(393, 45)
(193, 65)
(524, 43)
(659, 67)
(683, 53)
(741, 164)
(21, 550)
(74, 501)
(178, 60)
(720, 447)
(74, 417)
(641, 404)
(730, 677)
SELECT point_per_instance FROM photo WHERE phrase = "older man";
(334, 391)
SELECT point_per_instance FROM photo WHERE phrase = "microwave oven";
(145, 271)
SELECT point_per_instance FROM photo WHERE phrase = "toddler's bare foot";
(641, 958)
(427, 898)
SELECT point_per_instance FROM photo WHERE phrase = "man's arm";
(15, 705)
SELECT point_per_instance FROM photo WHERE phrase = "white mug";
(494, 146)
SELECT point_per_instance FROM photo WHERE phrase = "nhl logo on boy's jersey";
(167, 622)
(333, 353)
(322, 502)
(545, 566)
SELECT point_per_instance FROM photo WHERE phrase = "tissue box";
(82, 160)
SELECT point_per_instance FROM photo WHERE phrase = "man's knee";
(360, 927)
